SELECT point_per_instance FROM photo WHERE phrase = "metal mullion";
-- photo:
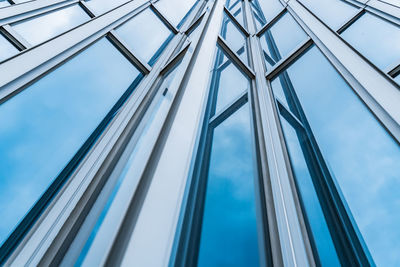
(272, 22)
(172, 62)
(283, 109)
(16, 39)
(164, 19)
(384, 10)
(284, 62)
(87, 9)
(123, 47)
(237, 23)
(395, 71)
(194, 24)
(235, 58)
(349, 22)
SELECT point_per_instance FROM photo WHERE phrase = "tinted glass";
(237, 11)
(175, 10)
(363, 157)
(230, 83)
(42, 28)
(333, 12)
(234, 38)
(376, 39)
(229, 229)
(319, 228)
(102, 6)
(6, 48)
(4, 3)
(269, 8)
(281, 39)
(44, 125)
(144, 34)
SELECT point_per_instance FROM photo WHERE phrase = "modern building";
(200, 133)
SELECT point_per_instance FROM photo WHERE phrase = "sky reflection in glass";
(237, 11)
(4, 3)
(270, 8)
(102, 6)
(333, 12)
(234, 38)
(229, 229)
(377, 39)
(175, 10)
(319, 228)
(362, 155)
(6, 48)
(145, 34)
(397, 79)
(44, 125)
(39, 29)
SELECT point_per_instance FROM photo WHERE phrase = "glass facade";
(199, 133)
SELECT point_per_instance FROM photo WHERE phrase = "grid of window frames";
(71, 105)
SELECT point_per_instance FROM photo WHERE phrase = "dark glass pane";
(41, 28)
(145, 34)
(6, 48)
(234, 38)
(364, 158)
(319, 228)
(281, 39)
(230, 84)
(333, 12)
(229, 229)
(44, 125)
(175, 10)
(377, 39)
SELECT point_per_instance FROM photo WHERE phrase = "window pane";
(102, 6)
(397, 79)
(42, 28)
(230, 83)
(333, 12)
(270, 9)
(319, 228)
(237, 11)
(376, 39)
(175, 10)
(229, 229)
(279, 40)
(4, 3)
(145, 34)
(364, 158)
(44, 125)
(6, 48)
(234, 38)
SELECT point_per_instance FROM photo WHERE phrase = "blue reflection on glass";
(230, 83)
(4, 3)
(363, 156)
(229, 229)
(279, 40)
(41, 28)
(175, 10)
(397, 79)
(43, 126)
(102, 6)
(145, 34)
(333, 12)
(237, 11)
(270, 8)
(376, 39)
(6, 48)
(234, 38)
(319, 228)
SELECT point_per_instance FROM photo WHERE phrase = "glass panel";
(234, 38)
(4, 3)
(376, 39)
(279, 40)
(44, 27)
(230, 83)
(363, 156)
(270, 8)
(333, 12)
(237, 12)
(145, 34)
(102, 6)
(175, 10)
(316, 219)
(6, 48)
(229, 229)
(44, 125)
(397, 79)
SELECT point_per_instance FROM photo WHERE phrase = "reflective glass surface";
(102, 6)
(236, 10)
(376, 39)
(175, 10)
(43, 126)
(234, 38)
(319, 228)
(363, 157)
(144, 34)
(44, 27)
(229, 229)
(269, 8)
(397, 79)
(6, 48)
(279, 40)
(333, 12)
(230, 83)
(4, 3)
